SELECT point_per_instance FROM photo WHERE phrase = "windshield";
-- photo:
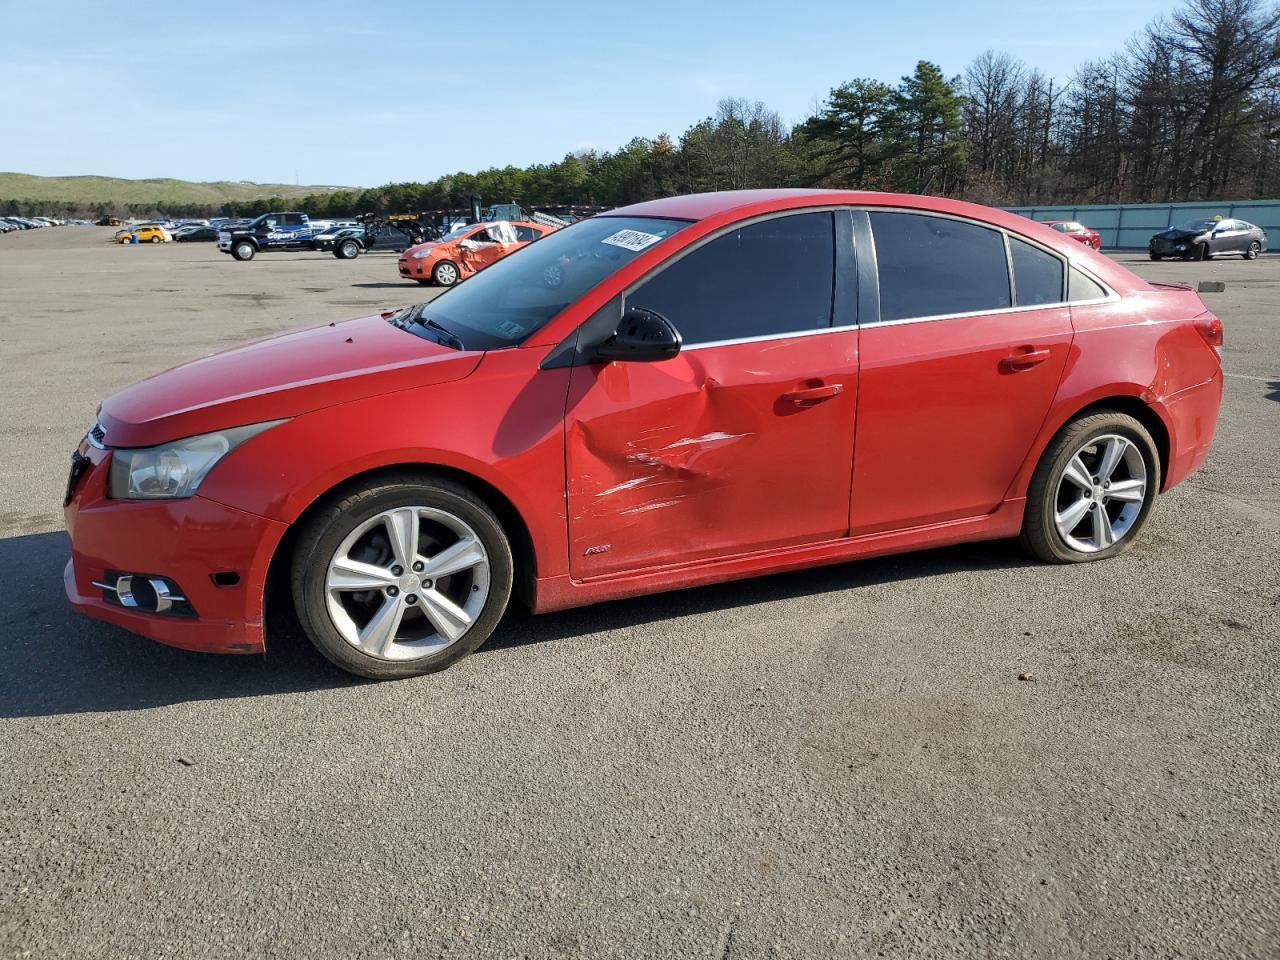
(505, 303)
(1197, 226)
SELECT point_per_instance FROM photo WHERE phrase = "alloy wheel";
(1101, 493)
(447, 274)
(407, 583)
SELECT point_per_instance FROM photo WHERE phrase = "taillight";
(1210, 328)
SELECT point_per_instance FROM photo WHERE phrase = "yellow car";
(146, 233)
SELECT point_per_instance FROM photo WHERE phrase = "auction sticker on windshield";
(632, 240)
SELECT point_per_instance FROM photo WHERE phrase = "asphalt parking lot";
(839, 762)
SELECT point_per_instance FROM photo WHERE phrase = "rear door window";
(765, 279)
(936, 266)
(1037, 275)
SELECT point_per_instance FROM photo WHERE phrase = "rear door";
(958, 370)
(1239, 235)
(744, 440)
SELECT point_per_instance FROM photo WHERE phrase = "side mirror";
(642, 336)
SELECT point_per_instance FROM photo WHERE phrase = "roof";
(730, 206)
(735, 204)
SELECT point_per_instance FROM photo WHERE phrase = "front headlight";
(421, 254)
(174, 470)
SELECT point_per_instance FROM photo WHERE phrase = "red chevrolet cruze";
(676, 393)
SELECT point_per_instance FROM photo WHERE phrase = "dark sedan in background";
(195, 232)
(1209, 237)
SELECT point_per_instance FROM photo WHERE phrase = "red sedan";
(680, 392)
(1078, 231)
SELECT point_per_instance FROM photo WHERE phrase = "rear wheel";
(244, 250)
(157, 239)
(1092, 491)
(1255, 248)
(444, 273)
(402, 576)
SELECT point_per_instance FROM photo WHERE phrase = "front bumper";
(186, 541)
(413, 268)
(1172, 248)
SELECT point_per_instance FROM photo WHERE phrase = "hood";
(430, 245)
(1177, 233)
(279, 376)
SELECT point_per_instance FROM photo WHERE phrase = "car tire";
(1062, 523)
(445, 273)
(1202, 251)
(157, 239)
(1255, 248)
(347, 250)
(1155, 256)
(405, 640)
(243, 250)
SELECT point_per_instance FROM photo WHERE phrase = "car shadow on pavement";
(54, 661)
(1273, 391)
(519, 628)
(380, 285)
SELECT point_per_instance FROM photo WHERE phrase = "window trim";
(866, 292)
(1068, 262)
(834, 209)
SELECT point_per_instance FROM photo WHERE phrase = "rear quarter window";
(1081, 287)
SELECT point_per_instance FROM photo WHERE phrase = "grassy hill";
(89, 193)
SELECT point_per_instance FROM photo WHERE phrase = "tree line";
(1189, 109)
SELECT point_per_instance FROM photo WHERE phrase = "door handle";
(813, 394)
(1025, 360)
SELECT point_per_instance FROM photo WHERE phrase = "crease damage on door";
(677, 463)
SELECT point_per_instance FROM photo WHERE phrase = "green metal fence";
(1131, 225)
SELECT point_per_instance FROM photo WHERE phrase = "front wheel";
(403, 575)
(347, 250)
(1255, 248)
(444, 273)
(244, 250)
(1202, 252)
(1092, 491)
(1155, 256)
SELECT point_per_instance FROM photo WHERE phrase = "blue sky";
(367, 93)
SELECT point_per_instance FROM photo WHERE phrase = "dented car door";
(744, 440)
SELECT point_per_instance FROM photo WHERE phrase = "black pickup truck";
(271, 231)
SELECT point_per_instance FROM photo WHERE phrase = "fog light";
(145, 593)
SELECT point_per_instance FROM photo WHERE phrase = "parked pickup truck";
(271, 231)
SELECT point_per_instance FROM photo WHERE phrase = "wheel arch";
(277, 591)
(1149, 414)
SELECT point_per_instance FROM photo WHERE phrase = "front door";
(742, 442)
(958, 375)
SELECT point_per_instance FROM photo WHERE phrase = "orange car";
(466, 250)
